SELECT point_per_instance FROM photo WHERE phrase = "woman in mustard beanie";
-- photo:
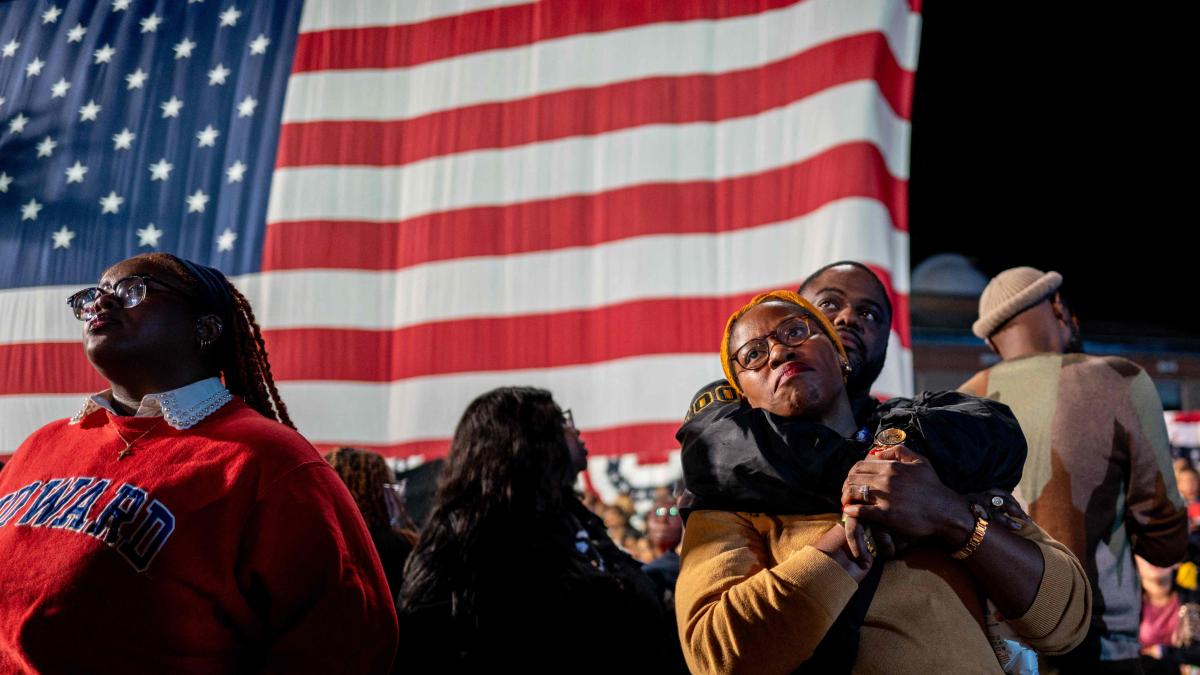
(770, 582)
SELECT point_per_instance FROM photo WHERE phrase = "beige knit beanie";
(1011, 292)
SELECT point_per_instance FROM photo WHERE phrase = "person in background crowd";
(178, 523)
(368, 478)
(511, 572)
(1188, 482)
(767, 580)
(1160, 617)
(664, 530)
(1098, 475)
(617, 523)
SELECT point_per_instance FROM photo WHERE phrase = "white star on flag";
(46, 147)
(197, 201)
(161, 170)
(218, 75)
(75, 172)
(51, 15)
(207, 137)
(123, 140)
(184, 48)
(34, 68)
(149, 235)
(225, 241)
(62, 238)
(17, 124)
(9, 49)
(236, 171)
(60, 88)
(5, 181)
(76, 34)
(171, 107)
(121, 5)
(30, 211)
(136, 79)
(151, 23)
(104, 54)
(2, 100)
(230, 16)
(89, 111)
(247, 106)
(259, 45)
(111, 203)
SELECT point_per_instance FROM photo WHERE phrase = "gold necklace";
(128, 449)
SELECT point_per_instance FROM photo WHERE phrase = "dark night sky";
(1043, 137)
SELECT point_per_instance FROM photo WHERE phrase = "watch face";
(891, 436)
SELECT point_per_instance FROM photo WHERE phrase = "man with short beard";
(856, 302)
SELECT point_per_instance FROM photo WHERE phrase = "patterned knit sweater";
(1098, 475)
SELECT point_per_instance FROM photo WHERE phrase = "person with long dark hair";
(178, 522)
(511, 570)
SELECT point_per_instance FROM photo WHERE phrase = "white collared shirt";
(183, 408)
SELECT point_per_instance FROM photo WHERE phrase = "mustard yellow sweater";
(754, 597)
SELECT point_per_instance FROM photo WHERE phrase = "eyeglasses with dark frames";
(131, 291)
(793, 332)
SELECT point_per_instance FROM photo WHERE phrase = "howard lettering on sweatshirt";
(138, 529)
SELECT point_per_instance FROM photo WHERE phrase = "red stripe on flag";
(582, 112)
(652, 443)
(851, 170)
(47, 368)
(500, 28)
(551, 340)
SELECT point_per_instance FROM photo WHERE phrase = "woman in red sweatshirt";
(178, 523)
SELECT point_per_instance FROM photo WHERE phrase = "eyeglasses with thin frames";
(793, 332)
(131, 291)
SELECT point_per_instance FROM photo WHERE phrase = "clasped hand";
(904, 498)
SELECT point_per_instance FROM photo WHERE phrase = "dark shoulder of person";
(973, 443)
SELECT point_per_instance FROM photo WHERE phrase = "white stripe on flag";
(594, 59)
(322, 15)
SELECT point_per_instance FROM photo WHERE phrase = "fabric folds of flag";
(570, 195)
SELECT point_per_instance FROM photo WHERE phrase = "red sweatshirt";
(229, 546)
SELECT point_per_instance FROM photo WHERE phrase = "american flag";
(463, 194)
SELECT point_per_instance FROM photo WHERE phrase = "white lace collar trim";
(183, 408)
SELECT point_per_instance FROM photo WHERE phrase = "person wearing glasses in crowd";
(178, 522)
(771, 582)
(511, 572)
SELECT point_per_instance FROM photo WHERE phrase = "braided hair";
(239, 354)
(366, 475)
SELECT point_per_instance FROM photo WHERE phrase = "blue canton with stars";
(130, 127)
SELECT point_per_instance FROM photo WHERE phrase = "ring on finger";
(864, 491)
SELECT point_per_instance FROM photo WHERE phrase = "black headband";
(215, 288)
